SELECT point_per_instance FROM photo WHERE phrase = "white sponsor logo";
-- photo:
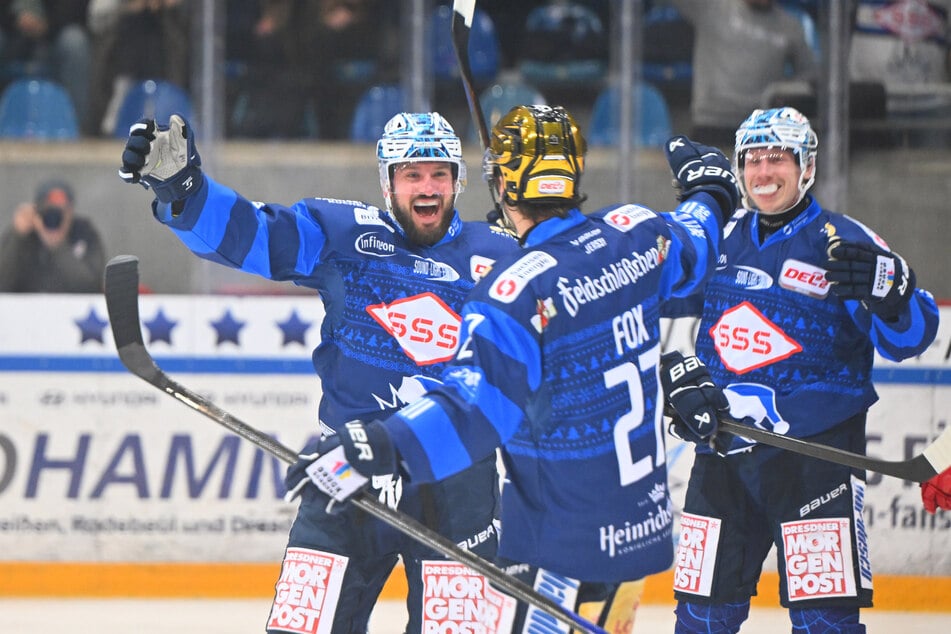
(433, 270)
(613, 278)
(806, 509)
(861, 536)
(804, 278)
(371, 244)
(479, 266)
(818, 557)
(627, 217)
(369, 216)
(752, 279)
(551, 186)
(457, 599)
(618, 540)
(516, 277)
(696, 554)
(746, 340)
(425, 327)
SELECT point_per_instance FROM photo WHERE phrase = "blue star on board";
(227, 328)
(294, 329)
(91, 326)
(160, 328)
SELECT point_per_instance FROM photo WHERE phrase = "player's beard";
(425, 236)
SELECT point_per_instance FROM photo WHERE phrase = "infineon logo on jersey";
(801, 277)
(818, 556)
(627, 217)
(513, 279)
(306, 592)
(371, 243)
(746, 340)
(425, 327)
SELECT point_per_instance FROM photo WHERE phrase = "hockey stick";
(462, 15)
(122, 304)
(933, 460)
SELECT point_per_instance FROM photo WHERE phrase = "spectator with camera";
(48, 249)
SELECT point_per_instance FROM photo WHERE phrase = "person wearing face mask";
(801, 299)
(48, 248)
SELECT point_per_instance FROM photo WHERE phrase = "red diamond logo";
(425, 327)
(746, 340)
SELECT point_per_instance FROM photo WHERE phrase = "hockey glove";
(865, 272)
(162, 158)
(936, 492)
(341, 465)
(701, 168)
(692, 396)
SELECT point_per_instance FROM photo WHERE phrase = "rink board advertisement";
(98, 465)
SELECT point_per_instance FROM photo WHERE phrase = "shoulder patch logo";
(627, 217)
(516, 277)
(479, 266)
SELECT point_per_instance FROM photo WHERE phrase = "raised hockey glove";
(882, 280)
(162, 158)
(936, 492)
(342, 465)
(701, 168)
(693, 397)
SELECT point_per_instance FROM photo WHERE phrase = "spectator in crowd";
(903, 45)
(48, 37)
(741, 47)
(48, 249)
(134, 40)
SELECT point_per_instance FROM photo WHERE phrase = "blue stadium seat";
(565, 43)
(155, 99)
(484, 48)
(655, 126)
(37, 110)
(668, 48)
(377, 106)
(498, 99)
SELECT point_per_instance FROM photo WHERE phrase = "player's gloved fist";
(694, 398)
(865, 272)
(701, 168)
(341, 465)
(162, 158)
(936, 492)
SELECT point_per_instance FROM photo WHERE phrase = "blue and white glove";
(882, 280)
(694, 399)
(702, 168)
(342, 465)
(162, 158)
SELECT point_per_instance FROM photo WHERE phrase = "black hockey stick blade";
(462, 15)
(122, 302)
(933, 460)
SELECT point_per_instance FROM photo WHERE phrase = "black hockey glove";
(162, 158)
(701, 168)
(691, 394)
(865, 272)
(342, 465)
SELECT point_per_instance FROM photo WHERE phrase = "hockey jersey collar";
(545, 230)
(808, 214)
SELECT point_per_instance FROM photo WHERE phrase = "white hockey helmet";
(784, 128)
(418, 137)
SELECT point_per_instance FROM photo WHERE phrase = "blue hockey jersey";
(791, 355)
(559, 364)
(392, 308)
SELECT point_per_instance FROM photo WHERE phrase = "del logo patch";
(425, 327)
(804, 278)
(746, 340)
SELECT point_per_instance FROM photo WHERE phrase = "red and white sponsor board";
(306, 592)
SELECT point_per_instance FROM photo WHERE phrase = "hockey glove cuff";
(936, 492)
(163, 158)
(701, 168)
(865, 272)
(692, 395)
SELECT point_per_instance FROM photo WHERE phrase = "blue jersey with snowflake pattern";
(392, 307)
(559, 366)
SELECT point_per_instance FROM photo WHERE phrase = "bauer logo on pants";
(307, 592)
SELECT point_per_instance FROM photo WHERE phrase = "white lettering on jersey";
(370, 243)
(696, 554)
(818, 557)
(746, 340)
(425, 327)
(613, 278)
(516, 277)
(370, 216)
(433, 270)
(752, 279)
(801, 277)
(618, 540)
(627, 217)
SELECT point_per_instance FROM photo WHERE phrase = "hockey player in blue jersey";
(392, 282)
(800, 300)
(559, 366)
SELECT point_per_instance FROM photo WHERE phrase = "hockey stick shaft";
(933, 460)
(121, 291)
(463, 12)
